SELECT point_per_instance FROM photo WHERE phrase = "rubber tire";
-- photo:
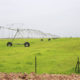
(49, 39)
(9, 44)
(41, 39)
(27, 44)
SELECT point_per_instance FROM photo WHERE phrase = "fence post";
(77, 66)
(35, 64)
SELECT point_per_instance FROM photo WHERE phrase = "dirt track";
(33, 76)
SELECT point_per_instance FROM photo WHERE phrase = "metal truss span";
(24, 33)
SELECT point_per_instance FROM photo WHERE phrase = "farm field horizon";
(58, 56)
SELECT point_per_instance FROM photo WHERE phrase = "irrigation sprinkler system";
(18, 32)
(29, 33)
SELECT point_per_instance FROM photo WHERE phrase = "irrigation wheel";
(41, 39)
(49, 39)
(26, 44)
(9, 44)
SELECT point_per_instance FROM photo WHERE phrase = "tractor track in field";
(33, 76)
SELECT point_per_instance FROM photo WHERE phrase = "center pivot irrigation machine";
(18, 31)
(31, 33)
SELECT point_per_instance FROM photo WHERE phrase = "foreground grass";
(55, 56)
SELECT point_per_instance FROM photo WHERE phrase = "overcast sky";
(59, 17)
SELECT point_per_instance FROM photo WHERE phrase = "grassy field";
(55, 56)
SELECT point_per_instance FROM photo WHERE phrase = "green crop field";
(56, 56)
